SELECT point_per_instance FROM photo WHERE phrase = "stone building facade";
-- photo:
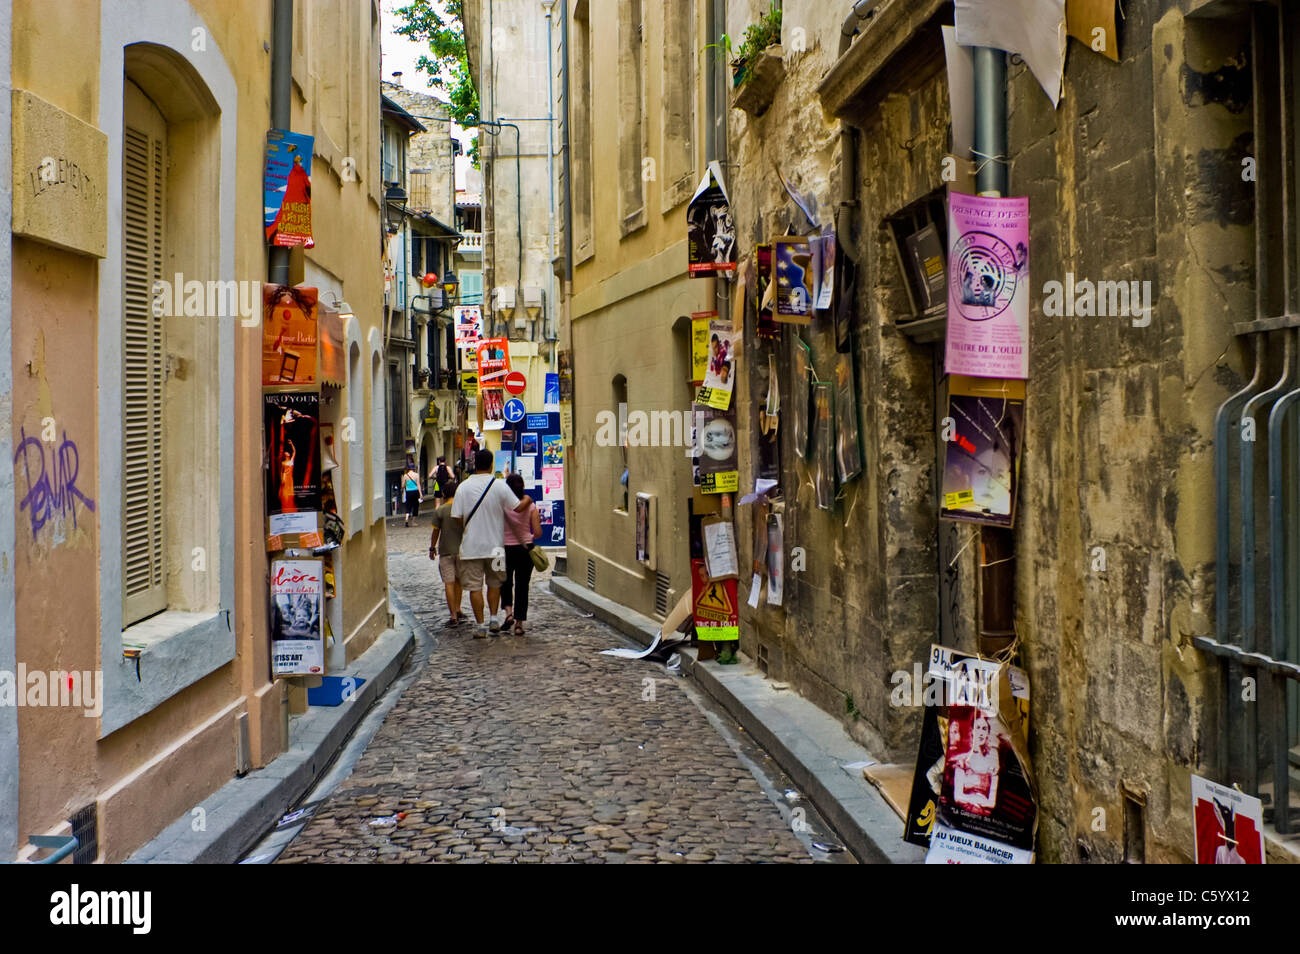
(1136, 176)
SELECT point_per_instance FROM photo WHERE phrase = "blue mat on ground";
(332, 690)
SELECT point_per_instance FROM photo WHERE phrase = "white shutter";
(144, 582)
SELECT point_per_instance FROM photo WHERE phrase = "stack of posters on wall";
(286, 189)
(982, 450)
(846, 278)
(988, 286)
(848, 438)
(716, 449)
(801, 382)
(823, 441)
(768, 466)
(765, 294)
(973, 796)
(720, 366)
(711, 233)
(297, 617)
(564, 362)
(775, 556)
(492, 357)
(1228, 825)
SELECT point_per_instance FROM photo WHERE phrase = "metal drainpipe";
(564, 144)
(281, 107)
(997, 544)
(550, 174)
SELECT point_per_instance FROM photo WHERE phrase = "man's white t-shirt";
(484, 536)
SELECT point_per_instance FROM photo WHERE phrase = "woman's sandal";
(508, 622)
(519, 629)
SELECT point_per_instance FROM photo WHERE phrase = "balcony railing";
(470, 242)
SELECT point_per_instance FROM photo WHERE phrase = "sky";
(400, 54)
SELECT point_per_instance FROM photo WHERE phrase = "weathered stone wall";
(1136, 176)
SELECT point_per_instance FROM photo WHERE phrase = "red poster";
(493, 362)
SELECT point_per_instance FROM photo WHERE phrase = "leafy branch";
(441, 25)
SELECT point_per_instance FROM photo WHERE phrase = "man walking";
(480, 504)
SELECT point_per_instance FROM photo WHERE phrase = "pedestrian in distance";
(522, 527)
(411, 484)
(444, 546)
(481, 504)
(441, 478)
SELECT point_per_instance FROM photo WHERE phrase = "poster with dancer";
(1228, 825)
(297, 604)
(291, 430)
(286, 189)
(290, 335)
(710, 231)
(988, 286)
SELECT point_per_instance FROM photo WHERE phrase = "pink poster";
(552, 483)
(988, 286)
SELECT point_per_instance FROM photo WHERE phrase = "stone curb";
(241, 811)
(808, 744)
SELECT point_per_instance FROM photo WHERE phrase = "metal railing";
(1252, 655)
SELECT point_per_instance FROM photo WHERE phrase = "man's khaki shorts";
(449, 568)
(473, 573)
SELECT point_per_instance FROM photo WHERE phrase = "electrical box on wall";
(647, 512)
(503, 298)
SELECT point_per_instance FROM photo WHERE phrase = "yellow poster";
(700, 344)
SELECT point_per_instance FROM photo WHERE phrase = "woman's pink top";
(519, 527)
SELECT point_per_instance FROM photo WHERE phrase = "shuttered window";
(144, 164)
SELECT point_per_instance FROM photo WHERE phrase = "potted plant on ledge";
(757, 65)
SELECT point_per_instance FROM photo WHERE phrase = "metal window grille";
(591, 573)
(1257, 600)
(662, 586)
(85, 828)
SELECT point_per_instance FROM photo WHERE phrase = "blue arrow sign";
(514, 410)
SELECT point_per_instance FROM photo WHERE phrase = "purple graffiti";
(44, 499)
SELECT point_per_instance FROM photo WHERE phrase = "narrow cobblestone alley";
(539, 749)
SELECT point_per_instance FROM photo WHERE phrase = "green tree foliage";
(441, 25)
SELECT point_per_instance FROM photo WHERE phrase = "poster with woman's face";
(291, 431)
(985, 790)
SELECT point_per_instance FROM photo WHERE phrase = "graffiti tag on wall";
(51, 490)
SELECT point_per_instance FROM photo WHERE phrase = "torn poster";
(711, 234)
(720, 555)
(1034, 29)
(1092, 23)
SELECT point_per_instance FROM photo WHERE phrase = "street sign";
(516, 382)
(514, 410)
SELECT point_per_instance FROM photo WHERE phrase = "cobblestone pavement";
(539, 749)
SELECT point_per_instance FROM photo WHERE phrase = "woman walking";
(441, 478)
(522, 527)
(411, 483)
(444, 546)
